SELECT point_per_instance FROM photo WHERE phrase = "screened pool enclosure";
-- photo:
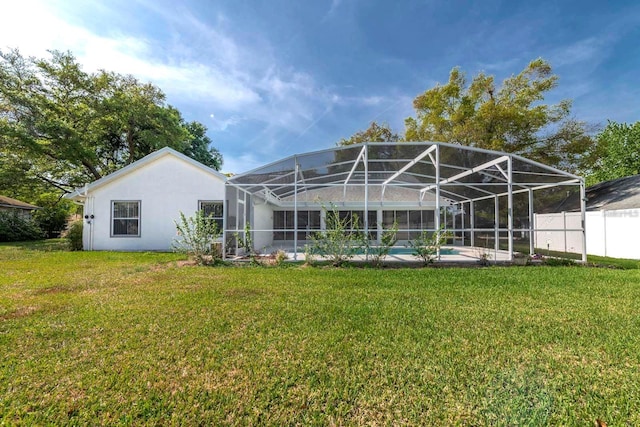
(487, 201)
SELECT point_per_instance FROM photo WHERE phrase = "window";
(125, 218)
(213, 209)
(410, 223)
(349, 218)
(308, 222)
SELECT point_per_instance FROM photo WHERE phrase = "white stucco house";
(134, 208)
(484, 198)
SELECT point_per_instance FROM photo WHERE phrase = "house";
(134, 208)
(22, 209)
(483, 197)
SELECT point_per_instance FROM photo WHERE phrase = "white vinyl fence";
(614, 233)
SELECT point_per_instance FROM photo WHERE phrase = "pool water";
(409, 251)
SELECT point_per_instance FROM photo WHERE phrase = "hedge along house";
(134, 208)
(486, 199)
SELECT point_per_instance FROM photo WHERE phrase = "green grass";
(116, 338)
(593, 260)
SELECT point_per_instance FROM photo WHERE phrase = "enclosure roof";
(460, 173)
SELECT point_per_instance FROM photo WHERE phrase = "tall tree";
(511, 118)
(374, 133)
(61, 126)
(616, 154)
(199, 146)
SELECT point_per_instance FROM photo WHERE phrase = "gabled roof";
(149, 158)
(8, 202)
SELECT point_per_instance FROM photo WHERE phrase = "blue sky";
(273, 78)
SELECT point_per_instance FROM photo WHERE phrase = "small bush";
(484, 255)
(74, 236)
(280, 257)
(309, 256)
(16, 228)
(341, 240)
(379, 252)
(559, 262)
(196, 235)
(427, 245)
(245, 241)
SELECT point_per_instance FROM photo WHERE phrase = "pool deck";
(463, 254)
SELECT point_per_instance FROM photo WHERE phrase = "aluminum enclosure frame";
(449, 179)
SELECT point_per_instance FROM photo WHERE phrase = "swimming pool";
(397, 250)
(409, 251)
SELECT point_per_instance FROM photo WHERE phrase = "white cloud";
(241, 163)
(586, 50)
(335, 4)
(198, 64)
(223, 124)
(125, 54)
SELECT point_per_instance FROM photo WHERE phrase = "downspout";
(88, 205)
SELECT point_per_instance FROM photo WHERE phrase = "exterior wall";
(22, 213)
(165, 187)
(262, 220)
(612, 233)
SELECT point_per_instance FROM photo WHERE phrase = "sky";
(279, 77)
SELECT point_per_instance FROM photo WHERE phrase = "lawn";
(116, 338)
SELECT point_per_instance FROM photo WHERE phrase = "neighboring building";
(134, 208)
(7, 204)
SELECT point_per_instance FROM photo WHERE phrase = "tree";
(511, 118)
(616, 154)
(53, 216)
(374, 133)
(199, 146)
(61, 127)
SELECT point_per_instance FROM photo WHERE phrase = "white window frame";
(139, 218)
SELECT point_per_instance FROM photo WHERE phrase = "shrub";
(74, 235)
(341, 239)
(559, 262)
(427, 245)
(196, 235)
(281, 257)
(388, 238)
(52, 218)
(15, 228)
(483, 255)
(245, 241)
(309, 256)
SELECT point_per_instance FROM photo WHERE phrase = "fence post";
(564, 225)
